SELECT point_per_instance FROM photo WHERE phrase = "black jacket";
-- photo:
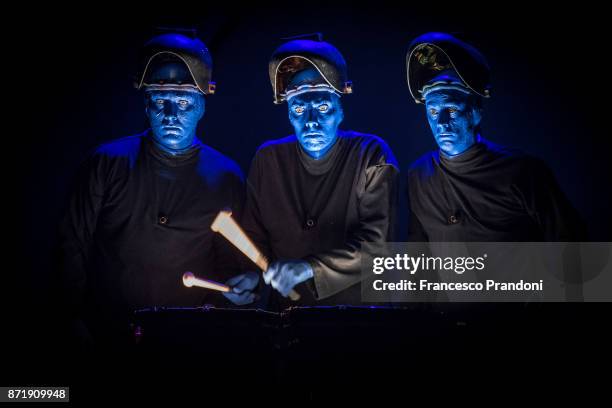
(488, 193)
(322, 210)
(137, 220)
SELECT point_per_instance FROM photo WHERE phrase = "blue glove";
(242, 288)
(284, 275)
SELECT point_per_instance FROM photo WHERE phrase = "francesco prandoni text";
(458, 265)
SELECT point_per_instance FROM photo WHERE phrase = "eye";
(323, 108)
(452, 110)
(159, 102)
(183, 102)
(433, 112)
(298, 109)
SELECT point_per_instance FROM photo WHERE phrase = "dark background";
(549, 95)
(546, 92)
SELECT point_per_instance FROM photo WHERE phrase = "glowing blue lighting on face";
(453, 117)
(315, 117)
(174, 116)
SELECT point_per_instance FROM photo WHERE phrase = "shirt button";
(310, 223)
(453, 220)
(163, 220)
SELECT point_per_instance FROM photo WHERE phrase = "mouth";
(443, 136)
(313, 135)
(172, 128)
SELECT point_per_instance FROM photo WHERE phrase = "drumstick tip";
(223, 214)
(188, 279)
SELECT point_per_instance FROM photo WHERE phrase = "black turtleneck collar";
(173, 160)
(467, 159)
(325, 163)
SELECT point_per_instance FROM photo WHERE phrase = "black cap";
(433, 53)
(167, 51)
(299, 54)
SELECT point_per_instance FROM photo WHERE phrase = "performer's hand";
(284, 275)
(242, 288)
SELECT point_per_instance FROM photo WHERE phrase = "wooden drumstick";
(189, 280)
(229, 228)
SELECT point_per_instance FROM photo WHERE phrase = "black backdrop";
(549, 91)
(546, 96)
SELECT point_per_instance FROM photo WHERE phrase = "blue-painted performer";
(142, 206)
(472, 189)
(314, 197)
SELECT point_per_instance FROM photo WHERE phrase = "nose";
(444, 120)
(170, 110)
(310, 118)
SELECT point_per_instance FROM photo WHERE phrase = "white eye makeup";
(323, 108)
(298, 109)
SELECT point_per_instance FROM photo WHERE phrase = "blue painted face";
(174, 116)
(453, 118)
(315, 117)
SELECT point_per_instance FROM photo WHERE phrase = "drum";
(326, 344)
(204, 329)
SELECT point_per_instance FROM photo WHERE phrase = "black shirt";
(488, 193)
(322, 210)
(138, 219)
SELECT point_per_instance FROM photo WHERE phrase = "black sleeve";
(227, 257)
(337, 269)
(549, 207)
(416, 232)
(77, 228)
(251, 220)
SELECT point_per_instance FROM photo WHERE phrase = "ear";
(202, 106)
(476, 116)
